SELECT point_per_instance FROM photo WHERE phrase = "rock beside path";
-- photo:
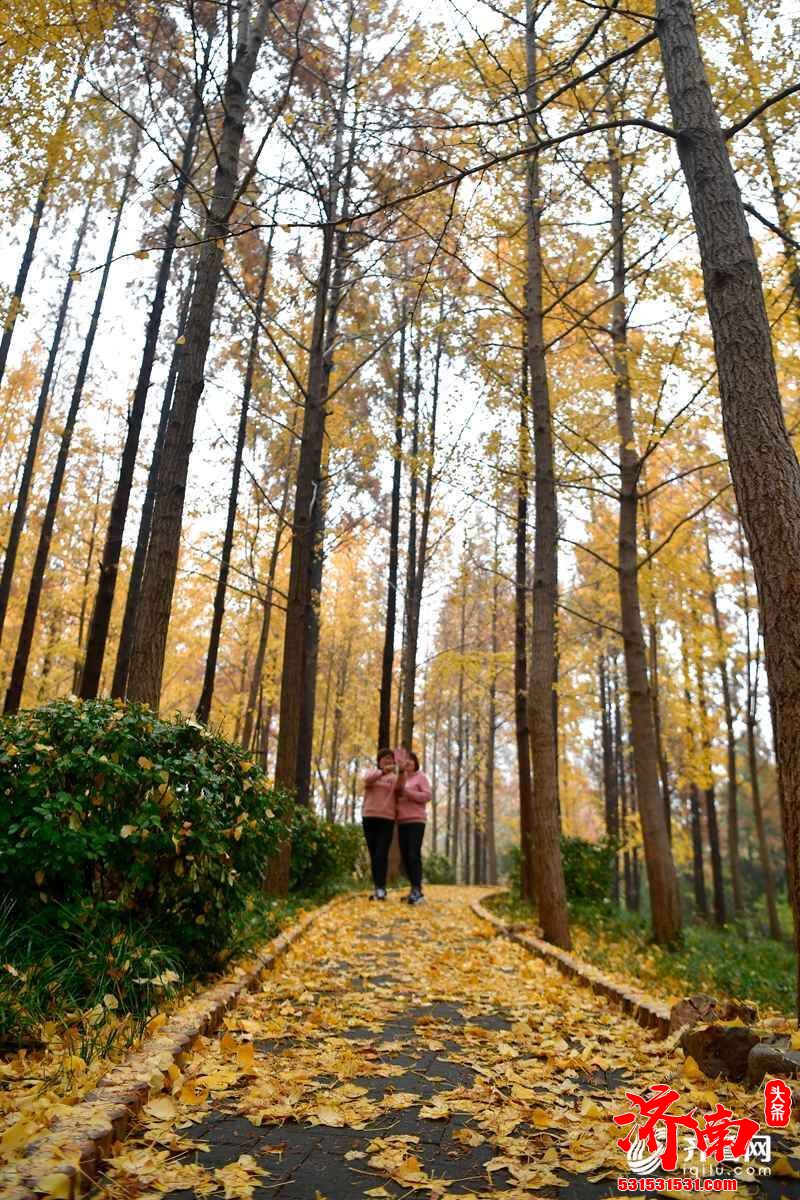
(721, 1049)
(700, 1009)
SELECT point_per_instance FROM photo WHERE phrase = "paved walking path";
(409, 1052)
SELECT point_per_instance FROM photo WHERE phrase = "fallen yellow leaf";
(193, 1092)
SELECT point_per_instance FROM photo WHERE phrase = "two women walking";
(396, 794)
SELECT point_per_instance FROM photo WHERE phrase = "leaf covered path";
(408, 1052)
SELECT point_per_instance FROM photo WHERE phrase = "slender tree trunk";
(773, 920)
(665, 902)
(158, 583)
(622, 790)
(467, 805)
(751, 707)
(207, 694)
(416, 585)
(109, 567)
(763, 464)
(709, 796)
(263, 637)
(15, 304)
(301, 637)
(655, 685)
(19, 669)
(551, 892)
(387, 662)
(521, 725)
(458, 782)
(610, 789)
(119, 681)
(490, 856)
(413, 567)
(87, 574)
(24, 489)
(698, 870)
(727, 701)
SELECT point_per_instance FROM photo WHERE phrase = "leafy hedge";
(588, 869)
(133, 852)
(324, 854)
(110, 805)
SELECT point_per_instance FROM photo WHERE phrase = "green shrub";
(438, 869)
(324, 855)
(588, 869)
(111, 807)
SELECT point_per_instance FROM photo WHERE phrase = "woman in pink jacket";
(378, 815)
(413, 794)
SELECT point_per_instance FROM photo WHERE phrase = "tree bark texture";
(763, 464)
(549, 880)
(210, 673)
(122, 665)
(158, 583)
(112, 549)
(25, 642)
(661, 874)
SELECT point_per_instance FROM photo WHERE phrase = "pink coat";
(380, 795)
(412, 800)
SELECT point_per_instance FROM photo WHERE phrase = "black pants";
(410, 835)
(378, 833)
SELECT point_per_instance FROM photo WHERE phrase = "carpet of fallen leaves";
(311, 1049)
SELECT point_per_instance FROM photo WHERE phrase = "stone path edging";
(106, 1113)
(649, 1013)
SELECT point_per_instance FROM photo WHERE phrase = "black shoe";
(416, 897)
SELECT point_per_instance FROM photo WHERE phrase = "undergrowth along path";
(401, 1052)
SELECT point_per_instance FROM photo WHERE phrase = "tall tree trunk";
(621, 776)
(655, 685)
(19, 669)
(302, 629)
(158, 583)
(467, 806)
(709, 796)
(698, 870)
(551, 894)
(416, 585)
(15, 304)
(24, 489)
(751, 716)
(207, 694)
(87, 573)
(119, 682)
(458, 781)
(610, 788)
(490, 856)
(413, 568)
(727, 701)
(665, 904)
(263, 637)
(761, 834)
(387, 661)
(763, 464)
(521, 725)
(112, 549)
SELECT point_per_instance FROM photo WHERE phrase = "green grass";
(738, 962)
(99, 978)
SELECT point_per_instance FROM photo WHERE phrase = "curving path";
(409, 1052)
